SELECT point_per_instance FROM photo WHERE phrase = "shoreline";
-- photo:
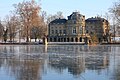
(22, 43)
(110, 43)
(35, 43)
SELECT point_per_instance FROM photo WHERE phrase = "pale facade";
(67, 30)
(98, 26)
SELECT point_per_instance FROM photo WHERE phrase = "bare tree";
(107, 16)
(55, 16)
(5, 33)
(28, 12)
(12, 23)
(1, 30)
(115, 10)
(39, 31)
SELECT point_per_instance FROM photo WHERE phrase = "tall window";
(64, 31)
(81, 30)
(74, 30)
(87, 31)
(52, 31)
(74, 22)
(60, 31)
(56, 31)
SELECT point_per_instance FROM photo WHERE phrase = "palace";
(77, 29)
(98, 27)
(67, 30)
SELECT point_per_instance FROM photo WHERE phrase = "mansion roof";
(58, 21)
(94, 19)
(73, 16)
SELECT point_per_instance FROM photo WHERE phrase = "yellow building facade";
(98, 27)
(67, 30)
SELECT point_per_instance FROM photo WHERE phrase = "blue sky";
(88, 8)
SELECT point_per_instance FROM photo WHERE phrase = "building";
(118, 31)
(98, 27)
(68, 30)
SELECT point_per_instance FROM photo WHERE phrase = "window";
(80, 29)
(91, 32)
(74, 22)
(56, 31)
(52, 31)
(82, 19)
(74, 30)
(60, 31)
(64, 31)
(86, 31)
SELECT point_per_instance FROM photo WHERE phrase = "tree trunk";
(27, 37)
(35, 39)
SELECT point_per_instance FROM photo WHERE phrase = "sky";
(89, 8)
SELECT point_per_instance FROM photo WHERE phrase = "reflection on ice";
(35, 61)
(38, 52)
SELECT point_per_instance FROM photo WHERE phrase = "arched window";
(58, 39)
(67, 39)
(80, 39)
(55, 39)
(50, 39)
(76, 39)
(72, 40)
(64, 39)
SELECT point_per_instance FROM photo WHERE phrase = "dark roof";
(74, 15)
(59, 21)
(94, 19)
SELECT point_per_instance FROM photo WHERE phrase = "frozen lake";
(59, 62)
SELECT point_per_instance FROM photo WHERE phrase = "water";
(65, 62)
